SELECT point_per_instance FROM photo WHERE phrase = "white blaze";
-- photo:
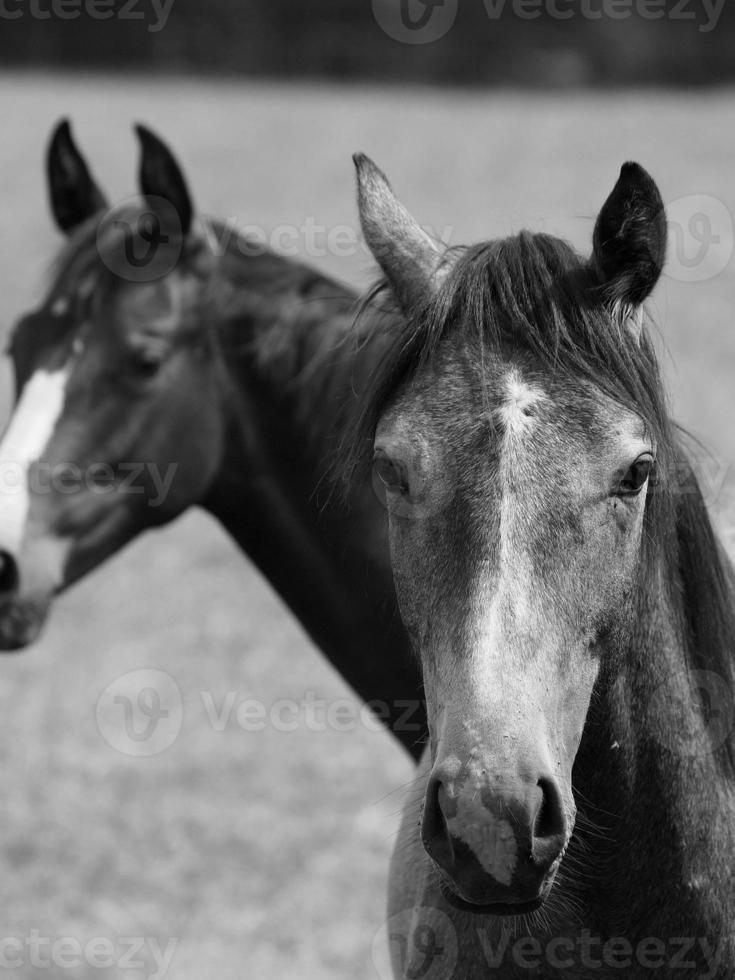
(27, 435)
(513, 592)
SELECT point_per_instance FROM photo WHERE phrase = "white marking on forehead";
(519, 399)
(27, 435)
(505, 603)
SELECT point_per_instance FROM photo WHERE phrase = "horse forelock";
(89, 261)
(534, 294)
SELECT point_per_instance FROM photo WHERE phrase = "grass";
(264, 854)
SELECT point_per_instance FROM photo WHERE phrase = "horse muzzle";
(28, 584)
(21, 621)
(496, 841)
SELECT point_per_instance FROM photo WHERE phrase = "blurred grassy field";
(265, 854)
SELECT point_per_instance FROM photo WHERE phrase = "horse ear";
(406, 254)
(629, 242)
(160, 176)
(74, 194)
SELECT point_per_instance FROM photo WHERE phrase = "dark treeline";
(491, 41)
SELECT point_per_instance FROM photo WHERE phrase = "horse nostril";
(550, 825)
(434, 830)
(8, 573)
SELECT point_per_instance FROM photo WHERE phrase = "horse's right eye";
(390, 474)
(636, 476)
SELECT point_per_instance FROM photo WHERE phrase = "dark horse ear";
(161, 176)
(75, 196)
(630, 238)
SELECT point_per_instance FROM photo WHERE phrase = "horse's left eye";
(389, 473)
(636, 476)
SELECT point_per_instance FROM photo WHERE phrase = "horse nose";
(8, 573)
(497, 839)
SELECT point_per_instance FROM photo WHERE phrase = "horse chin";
(463, 903)
(21, 621)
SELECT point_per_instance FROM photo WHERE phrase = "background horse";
(170, 365)
(557, 572)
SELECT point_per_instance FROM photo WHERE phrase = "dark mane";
(533, 293)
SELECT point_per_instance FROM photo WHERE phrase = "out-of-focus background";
(532, 43)
(263, 854)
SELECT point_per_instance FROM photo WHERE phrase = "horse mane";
(706, 581)
(533, 293)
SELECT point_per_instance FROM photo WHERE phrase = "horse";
(173, 363)
(569, 603)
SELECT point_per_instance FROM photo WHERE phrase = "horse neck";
(287, 343)
(654, 772)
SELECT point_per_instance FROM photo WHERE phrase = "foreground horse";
(166, 368)
(573, 614)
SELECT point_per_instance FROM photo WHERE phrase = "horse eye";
(389, 473)
(146, 363)
(636, 476)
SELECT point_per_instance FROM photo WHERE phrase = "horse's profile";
(571, 609)
(169, 366)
